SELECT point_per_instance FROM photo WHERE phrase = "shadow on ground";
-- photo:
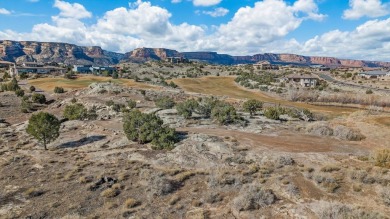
(83, 141)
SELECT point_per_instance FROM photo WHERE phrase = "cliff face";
(71, 54)
(55, 52)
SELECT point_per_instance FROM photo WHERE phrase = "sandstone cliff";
(55, 52)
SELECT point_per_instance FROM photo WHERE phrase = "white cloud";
(4, 11)
(206, 2)
(69, 10)
(175, 1)
(366, 8)
(218, 12)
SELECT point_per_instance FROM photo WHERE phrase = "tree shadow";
(83, 141)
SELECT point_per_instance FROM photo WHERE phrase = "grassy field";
(48, 84)
(226, 86)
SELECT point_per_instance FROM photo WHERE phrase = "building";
(320, 67)
(374, 74)
(32, 64)
(82, 68)
(101, 69)
(265, 65)
(177, 60)
(16, 70)
(304, 80)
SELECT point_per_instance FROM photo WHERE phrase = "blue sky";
(357, 29)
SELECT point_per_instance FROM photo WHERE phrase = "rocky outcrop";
(55, 52)
(147, 54)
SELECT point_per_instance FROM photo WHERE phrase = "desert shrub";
(326, 210)
(44, 127)
(172, 84)
(272, 113)
(186, 108)
(26, 106)
(110, 103)
(75, 111)
(160, 186)
(330, 168)
(252, 106)
(345, 133)
(382, 158)
(252, 197)
(224, 114)
(59, 90)
(165, 103)
(10, 86)
(32, 88)
(285, 161)
(19, 93)
(131, 104)
(206, 105)
(369, 91)
(320, 129)
(23, 75)
(109, 193)
(145, 128)
(38, 98)
(117, 107)
(131, 203)
(293, 190)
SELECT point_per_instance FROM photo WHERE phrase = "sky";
(355, 29)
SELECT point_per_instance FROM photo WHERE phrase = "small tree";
(206, 105)
(75, 112)
(19, 93)
(38, 98)
(186, 108)
(23, 75)
(32, 88)
(165, 103)
(252, 106)
(115, 75)
(59, 90)
(224, 114)
(44, 127)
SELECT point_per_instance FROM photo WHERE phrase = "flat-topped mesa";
(31, 51)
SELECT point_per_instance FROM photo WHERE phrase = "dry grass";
(225, 86)
(131, 203)
(382, 158)
(109, 193)
(48, 84)
(330, 168)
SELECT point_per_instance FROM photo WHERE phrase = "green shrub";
(145, 128)
(76, 111)
(165, 103)
(272, 113)
(23, 75)
(110, 103)
(186, 108)
(206, 105)
(59, 90)
(369, 91)
(131, 104)
(19, 93)
(252, 106)
(224, 114)
(38, 98)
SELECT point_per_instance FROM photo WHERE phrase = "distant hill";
(19, 51)
(30, 51)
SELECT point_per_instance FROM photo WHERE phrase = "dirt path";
(225, 86)
(286, 142)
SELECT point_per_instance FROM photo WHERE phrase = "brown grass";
(131, 203)
(225, 86)
(82, 81)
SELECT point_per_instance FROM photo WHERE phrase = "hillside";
(56, 52)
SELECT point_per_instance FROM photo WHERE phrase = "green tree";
(145, 128)
(32, 88)
(187, 107)
(75, 111)
(165, 103)
(38, 98)
(224, 113)
(44, 127)
(252, 106)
